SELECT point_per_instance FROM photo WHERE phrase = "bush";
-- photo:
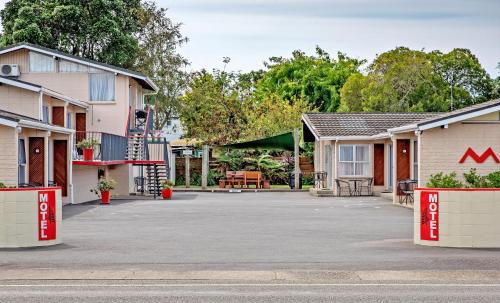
(442, 180)
(474, 180)
(494, 179)
(2, 185)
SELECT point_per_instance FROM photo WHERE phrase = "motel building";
(49, 102)
(390, 147)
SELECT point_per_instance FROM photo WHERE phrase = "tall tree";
(315, 79)
(95, 29)
(159, 58)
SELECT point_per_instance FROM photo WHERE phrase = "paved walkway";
(267, 232)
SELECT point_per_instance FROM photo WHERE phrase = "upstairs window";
(354, 160)
(68, 120)
(71, 67)
(102, 87)
(45, 114)
(41, 63)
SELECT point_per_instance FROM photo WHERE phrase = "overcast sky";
(250, 31)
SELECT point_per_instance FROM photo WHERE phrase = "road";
(144, 291)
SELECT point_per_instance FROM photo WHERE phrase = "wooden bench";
(253, 177)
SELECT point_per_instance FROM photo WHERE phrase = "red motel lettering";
(429, 216)
(46, 215)
(479, 158)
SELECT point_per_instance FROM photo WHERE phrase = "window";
(41, 63)
(415, 160)
(68, 120)
(102, 86)
(45, 114)
(71, 67)
(354, 160)
(21, 161)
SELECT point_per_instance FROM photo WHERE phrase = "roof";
(13, 120)
(140, 77)
(359, 124)
(37, 88)
(16, 117)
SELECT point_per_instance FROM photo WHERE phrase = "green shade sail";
(279, 142)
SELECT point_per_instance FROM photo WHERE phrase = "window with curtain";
(45, 114)
(354, 160)
(41, 63)
(71, 67)
(68, 120)
(415, 160)
(102, 87)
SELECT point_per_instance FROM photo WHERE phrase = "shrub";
(494, 179)
(2, 185)
(87, 143)
(442, 180)
(474, 180)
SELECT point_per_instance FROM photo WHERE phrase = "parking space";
(244, 231)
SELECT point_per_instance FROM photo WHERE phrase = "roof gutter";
(43, 126)
(403, 129)
(460, 117)
(64, 98)
(9, 123)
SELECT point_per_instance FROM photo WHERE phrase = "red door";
(61, 165)
(36, 161)
(402, 160)
(80, 126)
(58, 115)
(378, 164)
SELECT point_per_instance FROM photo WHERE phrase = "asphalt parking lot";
(244, 231)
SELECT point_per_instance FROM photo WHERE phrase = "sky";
(251, 31)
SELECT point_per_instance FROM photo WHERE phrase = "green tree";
(158, 58)
(315, 79)
(211, 108)
(95, 29)
(408, 80)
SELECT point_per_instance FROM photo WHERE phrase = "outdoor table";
(357, 188)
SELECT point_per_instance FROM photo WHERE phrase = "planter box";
(459, 218)
(30, 217)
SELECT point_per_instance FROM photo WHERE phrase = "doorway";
(37, 161)
(328, 165)
(58, 115)
(80, 126)
(402, 159)
(378, 164)
(390, 167)
(61, 165)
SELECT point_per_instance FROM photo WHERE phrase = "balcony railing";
(109, 147)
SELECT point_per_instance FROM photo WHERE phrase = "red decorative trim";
(116, 162)
(458, 189)
(479, 158)
(30, 188)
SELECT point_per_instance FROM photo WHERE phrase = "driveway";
(244, 231)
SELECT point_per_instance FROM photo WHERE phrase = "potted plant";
(87, 145)
(102, 190)
(166, 189)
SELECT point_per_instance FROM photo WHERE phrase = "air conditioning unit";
(9, 70)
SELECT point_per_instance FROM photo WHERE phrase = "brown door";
(61, 165)
(58, 115)
(36, 161)
(81, 126)
(378, 164)
(402, 160)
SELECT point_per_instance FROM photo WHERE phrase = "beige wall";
(8, 155)
(19, 101)
(466, 219)
(84, 179)
(441, 149)
(124, 183)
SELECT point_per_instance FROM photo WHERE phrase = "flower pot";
(166, 193)
(88, 154)
(105, 197)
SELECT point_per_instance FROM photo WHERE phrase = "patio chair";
(366, 186)
(139, 184)
(406, 190)
(320, 178)
(253, 177)
(343, 186)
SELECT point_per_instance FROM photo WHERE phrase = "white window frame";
(43, 72)
(354, 160)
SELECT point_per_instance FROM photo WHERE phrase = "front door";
(390, 167)
(80, 126)
(378, 164)
(36, 160)
(328, 165)
(403, 159)
(58, 115)
(61, 165)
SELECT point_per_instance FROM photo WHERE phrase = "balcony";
(109, 149)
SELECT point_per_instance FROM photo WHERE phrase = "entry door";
(80, 126)
(378, 164)
(36, 160)
(403, 160)
(390, 166)
(328, 165)
(61, 165)
(58, 115)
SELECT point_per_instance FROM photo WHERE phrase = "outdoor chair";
(253, 177)
(406, 191)
(343, 187)
(139, 184)
(320, 178)
(366, 187)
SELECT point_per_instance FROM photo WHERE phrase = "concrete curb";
(254, 276)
